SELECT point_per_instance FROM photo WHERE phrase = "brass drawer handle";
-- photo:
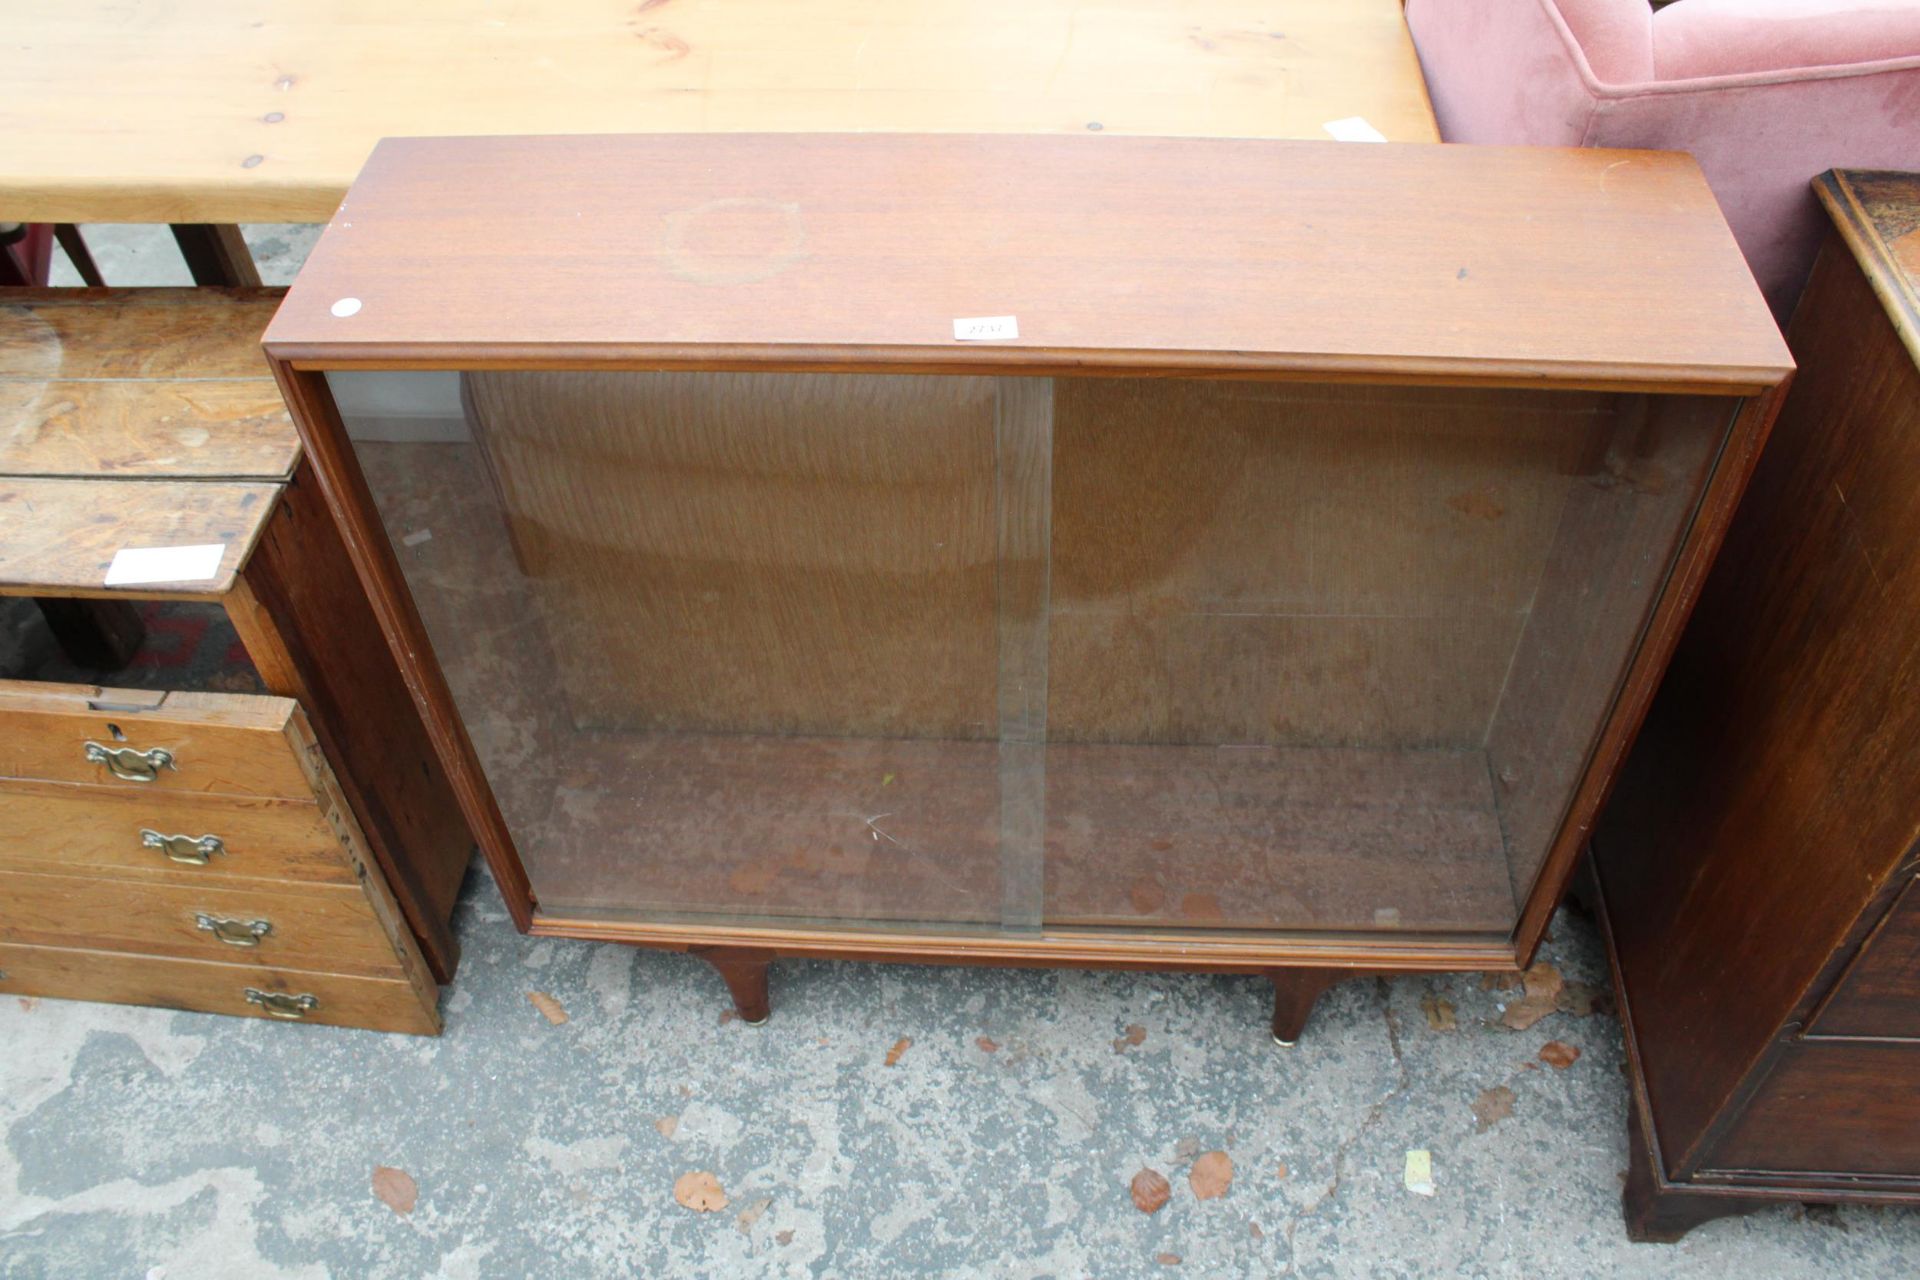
(131, 765)
(193, 851)
(235, 933)
(280, 1005)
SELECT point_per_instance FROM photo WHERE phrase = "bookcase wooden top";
(1124, 255)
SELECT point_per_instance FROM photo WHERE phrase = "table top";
(1877, 213)
(263, 110)
(1110, 254)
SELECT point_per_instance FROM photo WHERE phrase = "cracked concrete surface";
(141, 1142)
(1001, 1143)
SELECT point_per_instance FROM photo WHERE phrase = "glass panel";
(958, 652)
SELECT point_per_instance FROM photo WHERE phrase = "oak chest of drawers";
(214, 793)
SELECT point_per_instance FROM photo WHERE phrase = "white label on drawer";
(133, 565)
(1354, 129)
(987, 329)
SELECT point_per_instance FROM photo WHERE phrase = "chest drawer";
(163, 835)
(249, 990)
(1833, 1109)
(1879, 995)
(190, 743)
(304, 927)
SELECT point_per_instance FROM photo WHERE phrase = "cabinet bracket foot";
(1660, 1212)
(1294, 993)
(744, 970)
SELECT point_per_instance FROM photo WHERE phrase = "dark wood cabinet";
(1757, 863)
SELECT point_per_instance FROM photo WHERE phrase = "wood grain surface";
(61, 535)
(170, 334)
(140, 384)
(70, 973)
(1137, 255)
(97, 829)
(307, 626)
(1765, 813)
(239, 111)
(314, 926)
(223, 744)
(1851, 1110)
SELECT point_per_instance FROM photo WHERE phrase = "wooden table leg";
(1294, 993)
(101, 634)
(75, 246)
(216, 254)
(744, 970)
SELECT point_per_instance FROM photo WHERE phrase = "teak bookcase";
(1279, 600)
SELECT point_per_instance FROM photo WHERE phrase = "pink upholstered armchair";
(1765, 93)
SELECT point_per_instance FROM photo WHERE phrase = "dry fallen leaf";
(1508, 981)
(1491, 1107)
(784, 1237)
(1211, 1175)
(549, 1007)
(751, 1214)
(1135, 1034)
(700, 1191)
(1558, 1053)
(1167, 1259)
(1439, 1011)
(988, 1045)
(396, 1188)
(1543, 984)
(666, 1125)
(1583, 1001)
(898, 1051)
(1258, 1234)
(1150, 1191)
(1281, 1173)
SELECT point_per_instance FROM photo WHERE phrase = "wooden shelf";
(865, 831)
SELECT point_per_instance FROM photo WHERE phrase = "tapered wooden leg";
(1659, 1212)
(1294, 994)
(216, 254)
(78, 254)
(744, 970)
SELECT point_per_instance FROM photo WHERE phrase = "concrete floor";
(1001, 1141)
